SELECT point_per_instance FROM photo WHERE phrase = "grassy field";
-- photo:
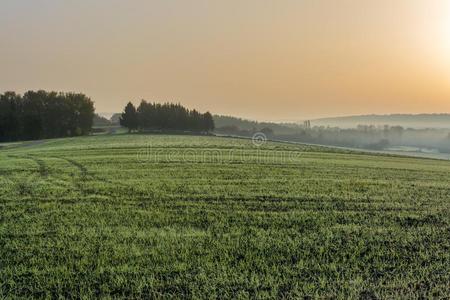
(208, 217)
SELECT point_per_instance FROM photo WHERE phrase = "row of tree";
(41, 114)
(167, 116)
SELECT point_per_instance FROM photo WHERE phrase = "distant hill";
(101, 121)
(115, 118)
(404, 120)
(278, 128)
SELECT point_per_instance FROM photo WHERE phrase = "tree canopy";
(166, 116)
(129, 118)
(41, 114)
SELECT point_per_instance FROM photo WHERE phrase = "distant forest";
(167, 116)
(226, 123)
(41, 115)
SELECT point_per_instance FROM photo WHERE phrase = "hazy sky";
(267, 60)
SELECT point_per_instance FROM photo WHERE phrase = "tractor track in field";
(43, 168)
(82, 169)
(83, 175)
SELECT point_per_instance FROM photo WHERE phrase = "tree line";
(166, 116)
(41, 114)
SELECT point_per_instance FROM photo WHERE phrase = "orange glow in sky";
(266, 60)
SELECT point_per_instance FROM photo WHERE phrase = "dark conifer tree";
(129, 118)
(10, 110)
(208, 121)
(169, 116)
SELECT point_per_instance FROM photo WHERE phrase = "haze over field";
(419, 121)
(265, 60)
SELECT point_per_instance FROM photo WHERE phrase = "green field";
(206, 217)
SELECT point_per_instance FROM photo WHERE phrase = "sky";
(278, 60)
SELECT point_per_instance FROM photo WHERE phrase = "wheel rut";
(85, 175)
(82, 169)
(43, 168)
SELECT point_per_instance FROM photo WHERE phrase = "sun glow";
(442, 38)
(433, 37)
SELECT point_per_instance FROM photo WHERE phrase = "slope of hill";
(145, 216)
(404, 120)
(100, 121)
(278, 128)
